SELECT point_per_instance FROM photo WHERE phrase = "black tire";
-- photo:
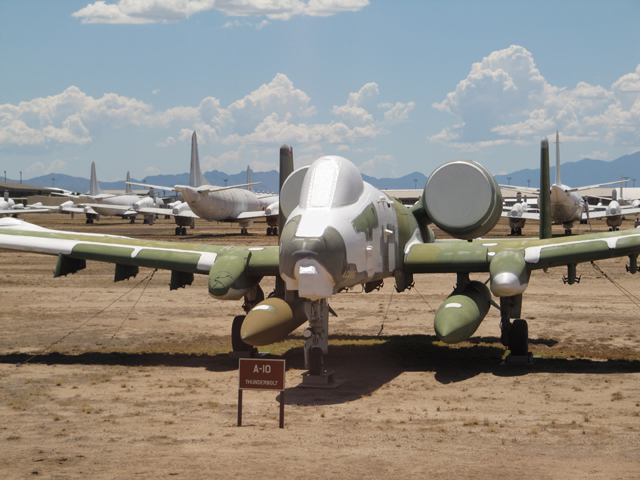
(315, 361)
(519, 338)
(236, 342)
(183, 231)
(177, 230)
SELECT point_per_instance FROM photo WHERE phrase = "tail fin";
(94, 189)
(558, 181)
(621, 186)
(544, 201)
(128, 188)
(249, 179)
(196, 179)
(286, 169)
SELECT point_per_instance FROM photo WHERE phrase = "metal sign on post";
(261, 374)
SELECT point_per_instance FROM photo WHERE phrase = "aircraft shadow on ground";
(366, 366)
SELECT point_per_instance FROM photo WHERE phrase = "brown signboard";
(261, 374)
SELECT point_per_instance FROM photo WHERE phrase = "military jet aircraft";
(567, 206)
(221, 204)
(338, 232)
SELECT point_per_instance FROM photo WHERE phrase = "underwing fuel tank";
(460, 315)
(270, 321)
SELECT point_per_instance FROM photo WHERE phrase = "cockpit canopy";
(331, 181)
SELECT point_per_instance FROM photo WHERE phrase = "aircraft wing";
(527, 215)
(213, 188)
(534, 191)
(123, 251)
(603, 213)
(251, 215)
(156, 187)
(452, 256)
(587, 187)
(20, 211)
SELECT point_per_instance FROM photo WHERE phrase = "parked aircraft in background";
(96, 203)
(567, 206)
(340, 232)
(9, 207)
(222, 204)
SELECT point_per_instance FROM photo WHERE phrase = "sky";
(395, 87)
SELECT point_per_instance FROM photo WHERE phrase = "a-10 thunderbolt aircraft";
(339, 232)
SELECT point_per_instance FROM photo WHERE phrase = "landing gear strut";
(514, 335)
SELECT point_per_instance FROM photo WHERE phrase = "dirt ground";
(136, 382)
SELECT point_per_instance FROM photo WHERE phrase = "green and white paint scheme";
(339, 232)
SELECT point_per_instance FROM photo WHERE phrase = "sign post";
(261, 374)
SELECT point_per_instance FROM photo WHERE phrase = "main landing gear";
(516, 232)
(272, 231)
(244, 231)
(515, 335)
(181, 230)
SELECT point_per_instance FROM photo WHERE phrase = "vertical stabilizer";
(621, 186)
(196, 179)
(544, 200)
(249, 179)
(558, 181)
(94, 189)
(286, 169)
(127, 188)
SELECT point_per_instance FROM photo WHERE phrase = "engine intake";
(463, 199)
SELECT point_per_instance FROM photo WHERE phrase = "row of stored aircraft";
(200, 200)
(339, 232)
(567, 206)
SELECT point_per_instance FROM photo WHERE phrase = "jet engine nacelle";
(463, 199)
(460, 315)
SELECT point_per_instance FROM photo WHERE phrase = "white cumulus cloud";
(506, 100)
(169, 11)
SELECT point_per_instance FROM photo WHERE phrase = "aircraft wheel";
(89, 221)
(610, 229)
(177, 230)
(236, 342)
(268, 231)
(183, 231)
(519, 338)
(275, 230)
(315, 361)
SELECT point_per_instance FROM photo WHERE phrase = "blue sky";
(395, 87)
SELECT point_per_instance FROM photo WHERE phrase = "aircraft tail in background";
(196, 179)
(94, 189)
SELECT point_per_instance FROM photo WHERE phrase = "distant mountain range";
(584, 172)
(268, 181)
